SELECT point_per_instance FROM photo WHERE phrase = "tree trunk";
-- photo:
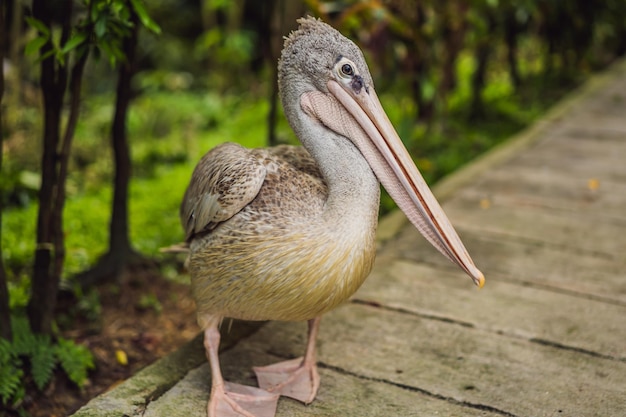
(511, 32)
(481, 54)
(63, 164)
(419, 64)
(5, 313)
(453, 31)
(283, 17)
(119, 241)
(275, 16)
(120, 251)
(46, 275)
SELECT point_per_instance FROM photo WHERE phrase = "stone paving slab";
(544, 217)
(538, 314)
(362, 396)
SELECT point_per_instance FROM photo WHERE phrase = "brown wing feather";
(225, 180)
(298, 157)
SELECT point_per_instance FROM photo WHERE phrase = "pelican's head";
(316, 53)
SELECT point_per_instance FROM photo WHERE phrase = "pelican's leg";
(229, 399)
(296, 378)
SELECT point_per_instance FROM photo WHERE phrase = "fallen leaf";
(121, 357)
(593, 184)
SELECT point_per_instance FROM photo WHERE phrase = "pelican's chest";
(288, 274)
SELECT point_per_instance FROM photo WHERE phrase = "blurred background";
(107, 106)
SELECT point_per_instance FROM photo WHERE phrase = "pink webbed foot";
(234, 400)
(295, 378)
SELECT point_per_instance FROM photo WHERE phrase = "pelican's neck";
(353, 189)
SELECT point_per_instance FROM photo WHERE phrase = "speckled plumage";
(274, 256)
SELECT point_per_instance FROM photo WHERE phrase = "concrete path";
(544, 217)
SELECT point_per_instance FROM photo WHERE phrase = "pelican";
(288, 233)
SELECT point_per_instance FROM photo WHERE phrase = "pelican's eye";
(346, 69)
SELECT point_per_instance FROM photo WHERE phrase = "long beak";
(379, 143)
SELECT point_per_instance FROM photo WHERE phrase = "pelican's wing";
(225, 180)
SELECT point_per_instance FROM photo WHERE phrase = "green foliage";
(226, 48)
(75, 360)
(42, 359)
(46, 38)
(18, 243)
(37, 356)
(19, 292)
(150, 302)
(112, 22)
(88, 305)
(86, 218)
(11, 373)
(44, 35)
(144, 17)
(104, 27)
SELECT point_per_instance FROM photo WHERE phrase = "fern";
(24, 341)
(6, 351)
(10, 374)
(75, 360)
(43, 355)
(11, 384)
(36, 348)
(42, 361)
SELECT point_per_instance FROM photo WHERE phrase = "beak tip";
(479, 279)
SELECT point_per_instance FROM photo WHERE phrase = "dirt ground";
(143, 319)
